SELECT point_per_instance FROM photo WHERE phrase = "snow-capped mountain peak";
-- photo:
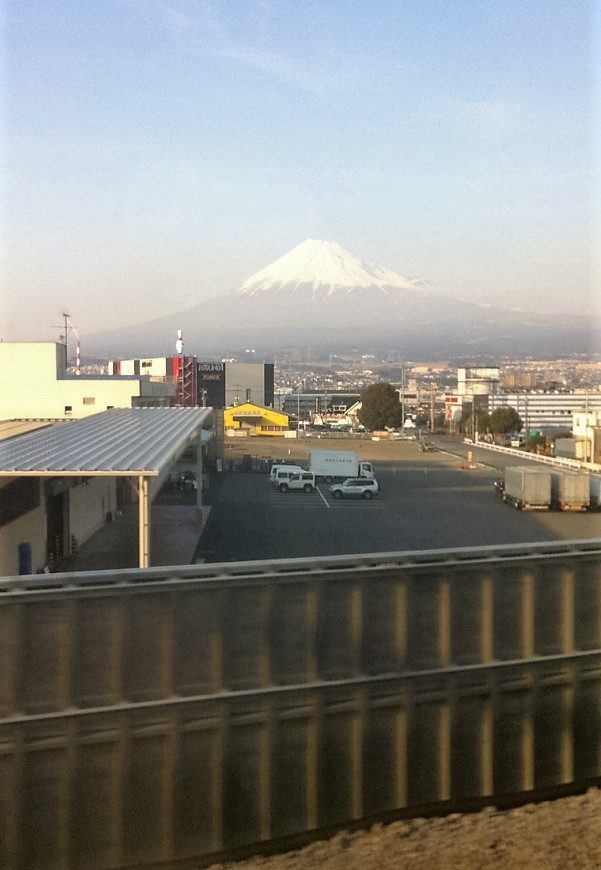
(319, 295)
(324, 268)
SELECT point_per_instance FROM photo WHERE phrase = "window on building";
(68, 409)
(89, 400)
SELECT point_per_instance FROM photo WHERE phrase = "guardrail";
(164, 714)
(559, 461)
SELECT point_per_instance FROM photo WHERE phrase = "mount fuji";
(319, 270)
(321, 295)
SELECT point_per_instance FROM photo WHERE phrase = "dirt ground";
(299, 449)
(555, 835)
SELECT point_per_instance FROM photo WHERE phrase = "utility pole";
(66, 317)
(432, 397)
(65, 329)
(402, 398)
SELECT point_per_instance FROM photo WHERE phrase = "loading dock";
(138, 445)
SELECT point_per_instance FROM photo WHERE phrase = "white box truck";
(570, 490)
(332, 464)
(527, 488)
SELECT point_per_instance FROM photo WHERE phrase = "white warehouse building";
(35, 385)
(546, 410)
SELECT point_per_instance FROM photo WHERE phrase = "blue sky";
(159, 152)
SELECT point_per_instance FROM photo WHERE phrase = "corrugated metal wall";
(150, 716)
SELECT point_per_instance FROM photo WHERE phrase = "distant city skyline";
(158, 154)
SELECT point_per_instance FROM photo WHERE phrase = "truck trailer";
(595, 492)
(333, 464)
(570, 490)
(527, 488)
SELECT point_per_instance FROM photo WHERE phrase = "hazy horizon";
(159, 154)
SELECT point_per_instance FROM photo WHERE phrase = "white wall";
(30, 388)
(89, 505)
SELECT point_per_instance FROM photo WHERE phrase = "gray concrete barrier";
(163, 714)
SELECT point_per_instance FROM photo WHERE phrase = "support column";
(199, 479)
(568, 621)
(444, 752)
(527, 616)
(487, 632)
(401, 731)
(486, 748)
(143, 523)
(444, 624)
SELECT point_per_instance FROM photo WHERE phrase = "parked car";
(282, 467)
(358, 487)
(303, 480)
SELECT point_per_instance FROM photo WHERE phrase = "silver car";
(359, 487)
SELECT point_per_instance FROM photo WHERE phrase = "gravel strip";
(557, 834)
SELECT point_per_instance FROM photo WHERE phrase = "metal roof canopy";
(123, 442)
(120, 442)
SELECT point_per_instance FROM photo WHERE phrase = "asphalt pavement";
(421, 505)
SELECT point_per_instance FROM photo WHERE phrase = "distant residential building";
(35, 384)
(430, 367)
(518, 380)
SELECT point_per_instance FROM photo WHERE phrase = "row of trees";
(381, 408)
(500, 422)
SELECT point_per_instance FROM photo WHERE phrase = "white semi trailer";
(527, 488)
(570, 490)
(332, 464)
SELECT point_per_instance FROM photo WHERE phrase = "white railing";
(558, 461)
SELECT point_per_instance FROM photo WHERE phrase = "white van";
(302, 480)
(289, 469)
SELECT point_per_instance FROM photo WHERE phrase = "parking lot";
(425, 501)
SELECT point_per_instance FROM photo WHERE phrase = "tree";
(380, 407)
(479, 416)
(504, 420)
